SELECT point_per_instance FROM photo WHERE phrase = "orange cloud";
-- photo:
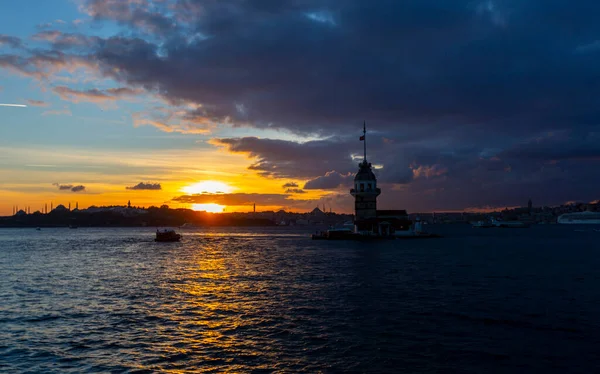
(95, 95)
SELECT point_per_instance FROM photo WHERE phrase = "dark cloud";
(78, 188)
(313, 65)
(294, 190)
(331, 180)
(439, 173)
(288, 159)
(11, 41)
(145, 186)
(395, 174)
(63, 187)
(325, 162)
(428, 62)
(290, 185)
(69, 187)
(559, 146)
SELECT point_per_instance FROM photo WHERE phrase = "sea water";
(272, 300)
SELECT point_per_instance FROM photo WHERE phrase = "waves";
(273, 302)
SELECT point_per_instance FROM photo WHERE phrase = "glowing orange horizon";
(210, 186)
(210, 208)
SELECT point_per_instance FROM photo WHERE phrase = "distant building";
(317, 213)
(60, 208)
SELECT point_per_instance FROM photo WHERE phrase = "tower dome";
(365, 173)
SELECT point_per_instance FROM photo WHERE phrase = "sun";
(211, 208)
(207, 187)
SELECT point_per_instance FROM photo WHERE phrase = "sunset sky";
(469, 104)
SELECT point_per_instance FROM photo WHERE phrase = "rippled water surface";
(271, 300)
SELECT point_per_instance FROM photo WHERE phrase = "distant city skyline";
(220, 105)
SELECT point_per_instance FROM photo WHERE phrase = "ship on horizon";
(580, 218)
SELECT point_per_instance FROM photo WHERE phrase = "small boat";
(415, 235)
(415, 232)
(38, 229)
(509, 224)
(580, 218)
(72, 226)
(334, 234)
(481, 225)
(167, 235)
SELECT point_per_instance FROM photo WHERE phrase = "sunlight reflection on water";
(268, 299)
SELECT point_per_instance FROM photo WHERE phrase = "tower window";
(362, 187)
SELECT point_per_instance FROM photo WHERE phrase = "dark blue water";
(476, 301)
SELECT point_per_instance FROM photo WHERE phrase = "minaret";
(365, 189)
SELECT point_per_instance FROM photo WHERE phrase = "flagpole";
(365, 135)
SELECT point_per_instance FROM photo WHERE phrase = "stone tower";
(365, 189)
(365, 192)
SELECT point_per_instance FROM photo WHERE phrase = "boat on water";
(38, 229)
(167, 235)
(334, 234)
(72, 226)
(580, 218)
(415, 231)
(481, 224)
(416, 235)
(345, 233)
(509, 224)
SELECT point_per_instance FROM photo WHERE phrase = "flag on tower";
(362, 137)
